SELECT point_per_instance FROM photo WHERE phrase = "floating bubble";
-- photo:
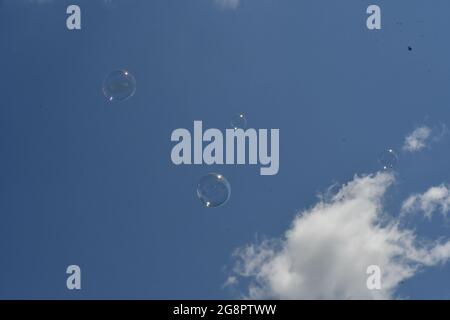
(388, 159)
(239, 121)
(119, 85)
(213, 190)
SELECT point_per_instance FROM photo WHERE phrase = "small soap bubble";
(119, 85)
(213, 190)
(238, 121)
(388, 159)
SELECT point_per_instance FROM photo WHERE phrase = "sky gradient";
(88, 182)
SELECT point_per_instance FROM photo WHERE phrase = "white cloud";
(417, 140)
(232, 280)
(326, 251)
(433, 200)
(228, 4)
(423, 136)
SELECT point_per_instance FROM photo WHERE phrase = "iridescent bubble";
(119, 85)
(213, 190)
(238, 121)
(388, 159)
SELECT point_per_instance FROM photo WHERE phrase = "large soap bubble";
(238, 121)
(388, 159)
(119, 85)
(213, 190)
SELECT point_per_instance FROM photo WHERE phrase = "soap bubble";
(388, 159)
(239, 121)
(213, 190)
(119, 85)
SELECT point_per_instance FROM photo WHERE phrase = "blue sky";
(89, 182)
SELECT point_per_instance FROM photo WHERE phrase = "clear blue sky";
(87, 182)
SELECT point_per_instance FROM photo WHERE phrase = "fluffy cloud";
(326, 251)
(435, 199)
(417, 140)
(423, 136)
